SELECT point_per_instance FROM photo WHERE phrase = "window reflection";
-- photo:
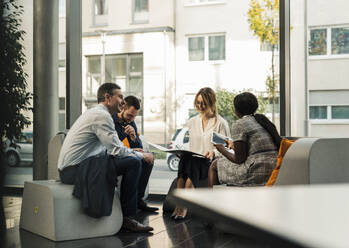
(340, 112)
(196, 48)
(318, 42)
(216, 47)
(318, 112)
(101, 7)
(140, 11)
(340, 40)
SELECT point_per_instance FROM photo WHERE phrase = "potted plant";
(14, 99)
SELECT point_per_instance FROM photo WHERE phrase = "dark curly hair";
(245, 103)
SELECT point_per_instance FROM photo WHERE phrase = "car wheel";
(173, 162)
(12, 159)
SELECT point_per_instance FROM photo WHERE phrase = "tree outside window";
(263, 17)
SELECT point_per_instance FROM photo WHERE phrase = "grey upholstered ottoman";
(50, 210)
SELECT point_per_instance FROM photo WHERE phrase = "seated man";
(92, 156)
(127, 132)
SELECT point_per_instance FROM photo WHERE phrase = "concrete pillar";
(45, 67)
(73, 62)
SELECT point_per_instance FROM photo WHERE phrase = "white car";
(180, 141)
(21, 150)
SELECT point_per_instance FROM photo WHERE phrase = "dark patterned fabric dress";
(261, 157)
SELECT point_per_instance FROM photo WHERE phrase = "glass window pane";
(101, 7)
(115, 70)
(61, 51)
(62, 8)
(318, 42)
(340, 40)
(141, 5)
(340, 112)
(62, 103)
(216, 47)
(94, 64)
(135, 86)
(318, 112)
(93, 75)
(136, 65)
(196, 48)
(140, 12)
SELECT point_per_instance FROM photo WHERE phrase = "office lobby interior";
(292, 54)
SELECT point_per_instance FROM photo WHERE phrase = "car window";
(176, 134)
(26, 138)
(186, 137)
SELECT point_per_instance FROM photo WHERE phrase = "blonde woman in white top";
(192, 169)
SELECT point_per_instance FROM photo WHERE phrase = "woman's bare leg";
(189, 184)
(180, 185)
(212, 174)
(182, 211)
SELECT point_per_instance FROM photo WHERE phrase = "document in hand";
(218, 138)
(177, 152)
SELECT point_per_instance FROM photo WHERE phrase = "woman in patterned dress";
(255, 145)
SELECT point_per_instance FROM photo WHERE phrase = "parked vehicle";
(19, 150)
(180, 140)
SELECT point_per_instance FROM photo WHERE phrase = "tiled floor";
(167, 233)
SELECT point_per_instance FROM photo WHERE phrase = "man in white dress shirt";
(93, 136)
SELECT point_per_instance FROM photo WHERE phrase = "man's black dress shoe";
(143, 206)
(179, 217)
(132, 225)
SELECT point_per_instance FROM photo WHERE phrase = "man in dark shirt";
(127, 132)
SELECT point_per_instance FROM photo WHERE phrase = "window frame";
(206, 48)
(329, 119)
(329, 54)
(133, 14)
(95, 17)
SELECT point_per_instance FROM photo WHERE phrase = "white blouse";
(199, 139)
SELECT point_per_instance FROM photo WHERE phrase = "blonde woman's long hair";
(209, 97)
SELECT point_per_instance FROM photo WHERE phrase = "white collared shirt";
(92, 133)
(200, 139)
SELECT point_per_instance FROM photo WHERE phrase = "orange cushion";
(126, 143)
(285, 144)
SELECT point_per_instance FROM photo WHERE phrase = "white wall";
(329, 129)
(325, 12)
(329, 74)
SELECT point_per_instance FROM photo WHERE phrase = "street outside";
(159, 183)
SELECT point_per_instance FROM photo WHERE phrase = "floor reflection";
(30, 240)
(188, 233)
